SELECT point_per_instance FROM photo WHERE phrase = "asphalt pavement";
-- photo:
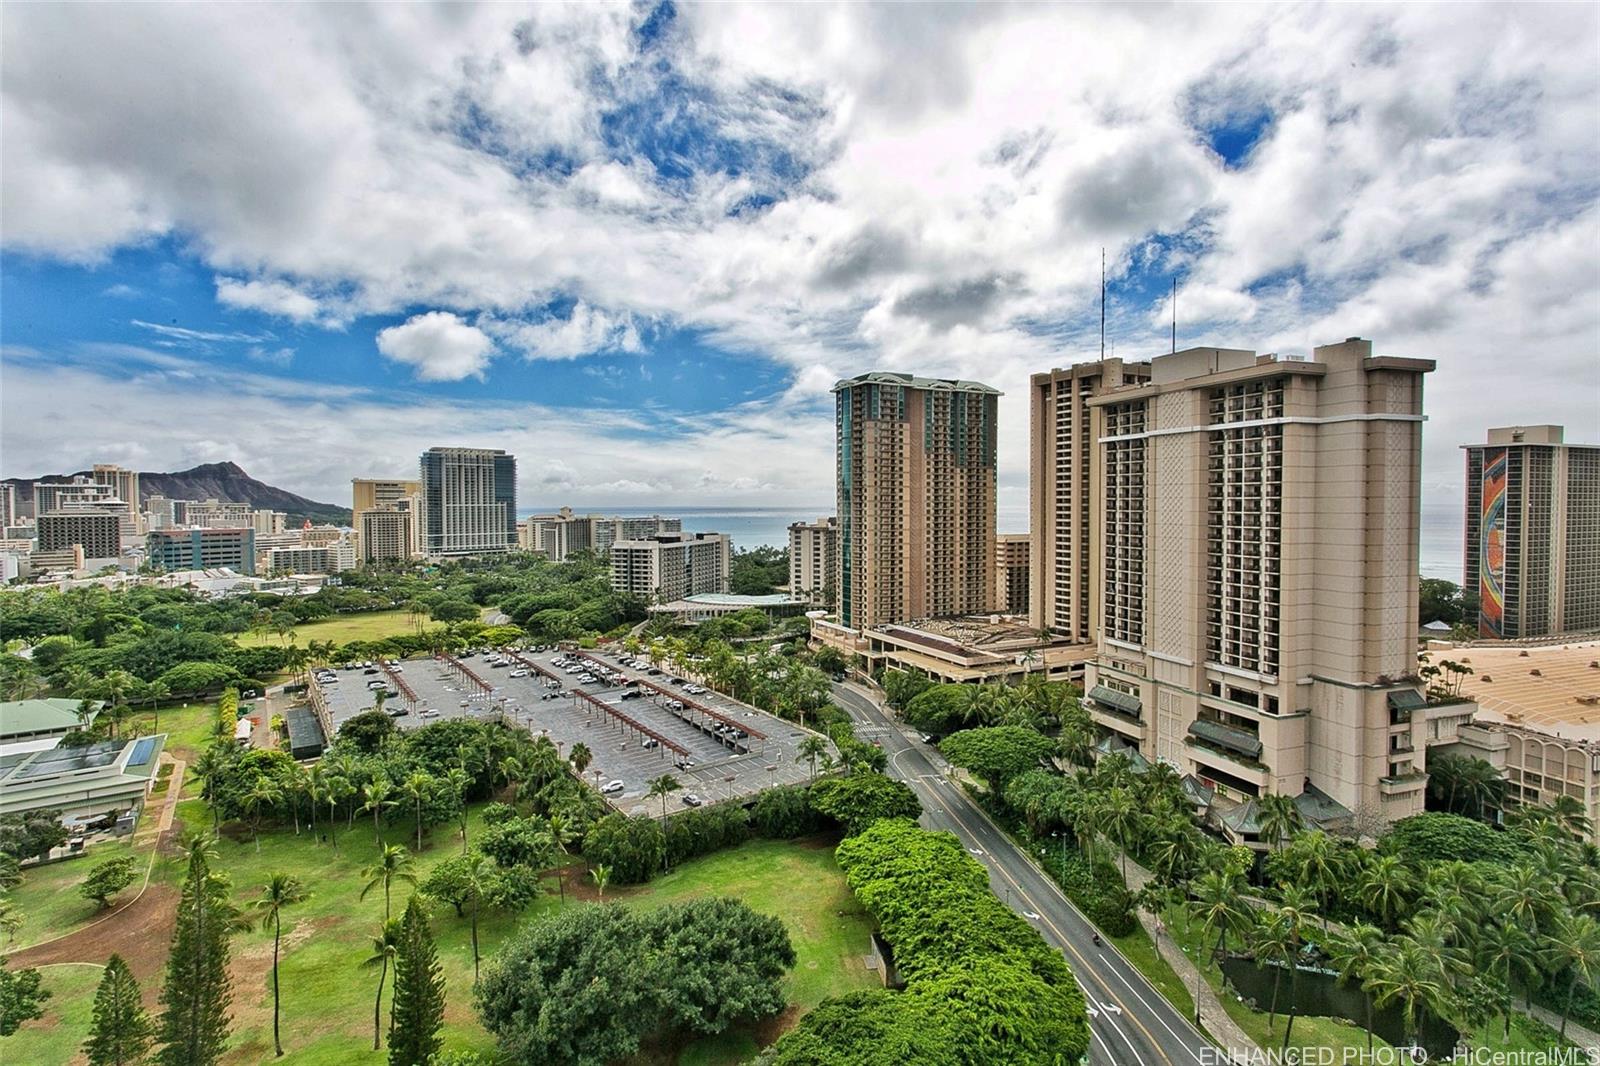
(1131, 1023)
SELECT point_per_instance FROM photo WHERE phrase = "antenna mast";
(1102, 304)
(1174, 314)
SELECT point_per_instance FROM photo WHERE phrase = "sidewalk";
(1584, 1038)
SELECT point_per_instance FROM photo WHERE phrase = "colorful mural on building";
(1492, 545)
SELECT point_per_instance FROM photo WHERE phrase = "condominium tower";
(1059, 493)
(916, 489)
(814, 560)
(670, 566)
(124, 484)
(1253, 529)
(1012, 567)
(1533, 533)
(386, 513)
(469, 501)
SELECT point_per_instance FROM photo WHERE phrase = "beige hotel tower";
(1244, 548)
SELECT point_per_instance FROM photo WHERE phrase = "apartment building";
(606, 531)
(916, 490)
(1012, 570)
(1532, 544)
(469, 501)
(98, 531)
(1253, 535)
(389, 533)
(1060, 447)
(57, 495)
(124, 484)
(558, 534)
(671, 566)
(333, 558)
(221, 514)
(814, 560)
(166, 513)
(8, 505)
(203, 549)
(368, 494)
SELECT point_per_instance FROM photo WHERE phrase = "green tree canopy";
(996, 753)
(861, 799)
(121, 1031)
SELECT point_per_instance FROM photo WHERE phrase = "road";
(1131, 1023)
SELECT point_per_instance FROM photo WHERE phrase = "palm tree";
(580, 757)
(393, 864)
(1119, 818)
(559, 832)
(1568, 812)
(378, 796)
(478, 873)
(380, 696)
(1216, 904)
(511, 772)
(602, 878)
(281, 891)
(1273, 944)
(384, 948)
(264, 795)
(1296, 907)
(418, 788)
(1278, 818)
(1527, 897)
(337, 789)
(1354, 953)
(663, 786)
(1507, 951)
(1385, 888)
(811, 748)
(213, 763)
(154, 693)
(1405, 973)
(457, 781)
(1576, 945)
(1318, 866)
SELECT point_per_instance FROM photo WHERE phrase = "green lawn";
(48, 895)
(372, 625)
(328, 996)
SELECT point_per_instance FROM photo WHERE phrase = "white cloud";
(271, 296)
(438, 345)
(201, 336)
(585, 331)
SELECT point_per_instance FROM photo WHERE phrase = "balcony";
(1229, 739)
(1403, 784)
(1106, 700)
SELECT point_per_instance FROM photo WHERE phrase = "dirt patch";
(140, 932)
(775, 1026)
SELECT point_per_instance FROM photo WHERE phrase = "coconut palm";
(1318, 865)
(1354, 952)
(1273, 945)
(663, 786)
(1527, 897)
(1576, 945)
(477, 875)
(336, 789)
(1405, 974)
(154, 693)
(1509, 952)
(1278, 818)
(558, 833)
(1216, 904)
(812, 748)
(1568, 812)
(580, 757)
(264, 795)
(511, 772)
(418, 788)
(214, 762)
(457, 782)
(384, 948)
(602, 877)
(393, 864)
(280, 891)
(377, 796)
(1386, 887)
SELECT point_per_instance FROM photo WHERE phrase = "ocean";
(753, 527)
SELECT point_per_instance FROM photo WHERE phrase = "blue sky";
(636, 243)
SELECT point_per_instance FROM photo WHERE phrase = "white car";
(518, 673)
(611, 788)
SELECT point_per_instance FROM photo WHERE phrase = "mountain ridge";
(223, 481)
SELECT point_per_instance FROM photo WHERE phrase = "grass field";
(48, 895)
(328, 996)
(372, 625)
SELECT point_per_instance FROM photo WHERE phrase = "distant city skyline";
(648, 301)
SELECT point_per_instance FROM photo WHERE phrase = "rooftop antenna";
(1174, 314)
(1102, 303)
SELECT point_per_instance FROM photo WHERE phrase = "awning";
(1117, 701)
(1406, 699)
(1238, 740)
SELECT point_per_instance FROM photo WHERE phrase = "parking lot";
(637, 724)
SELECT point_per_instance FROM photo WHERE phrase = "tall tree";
(1278, 818)
(393, 864)
(280, 891)
(811, 749)
(384, 947)
(664, 786)
(1405, 974)
(21, 998)
(418, 991)
(418, 788)
(1576, 945)
(121, 1030)
(377, 796)
(1354, 953)
(197, 992)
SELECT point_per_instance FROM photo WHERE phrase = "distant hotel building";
(98, 531)
(124, 485)
(671, 566)
(1253, 539)
(814, 560)
(560, 534)
(1533, 533)
(57, 495)
(333, 558)
(469, 501)
(916, 489)
(1011, 572)
(203, 549)
(386, 515)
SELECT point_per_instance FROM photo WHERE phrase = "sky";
(635, 245)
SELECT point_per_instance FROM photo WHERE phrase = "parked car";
(691, 800)
(650, 742)
(611, 788)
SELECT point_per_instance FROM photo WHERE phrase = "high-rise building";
(1060, 490)
(670, 566)
(557, 535)
(56, 495)
(389, 533)
(124, 484)
(916, 489)
(1253, 528)
(98, 530)
(1533, 533)
(469, 501)
(312, 559)
(220, 514)
(1012, 552)
(367, 494)
(166, 513)
(814, 560)
(203, 549)
(8, 505)
(608, 530)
